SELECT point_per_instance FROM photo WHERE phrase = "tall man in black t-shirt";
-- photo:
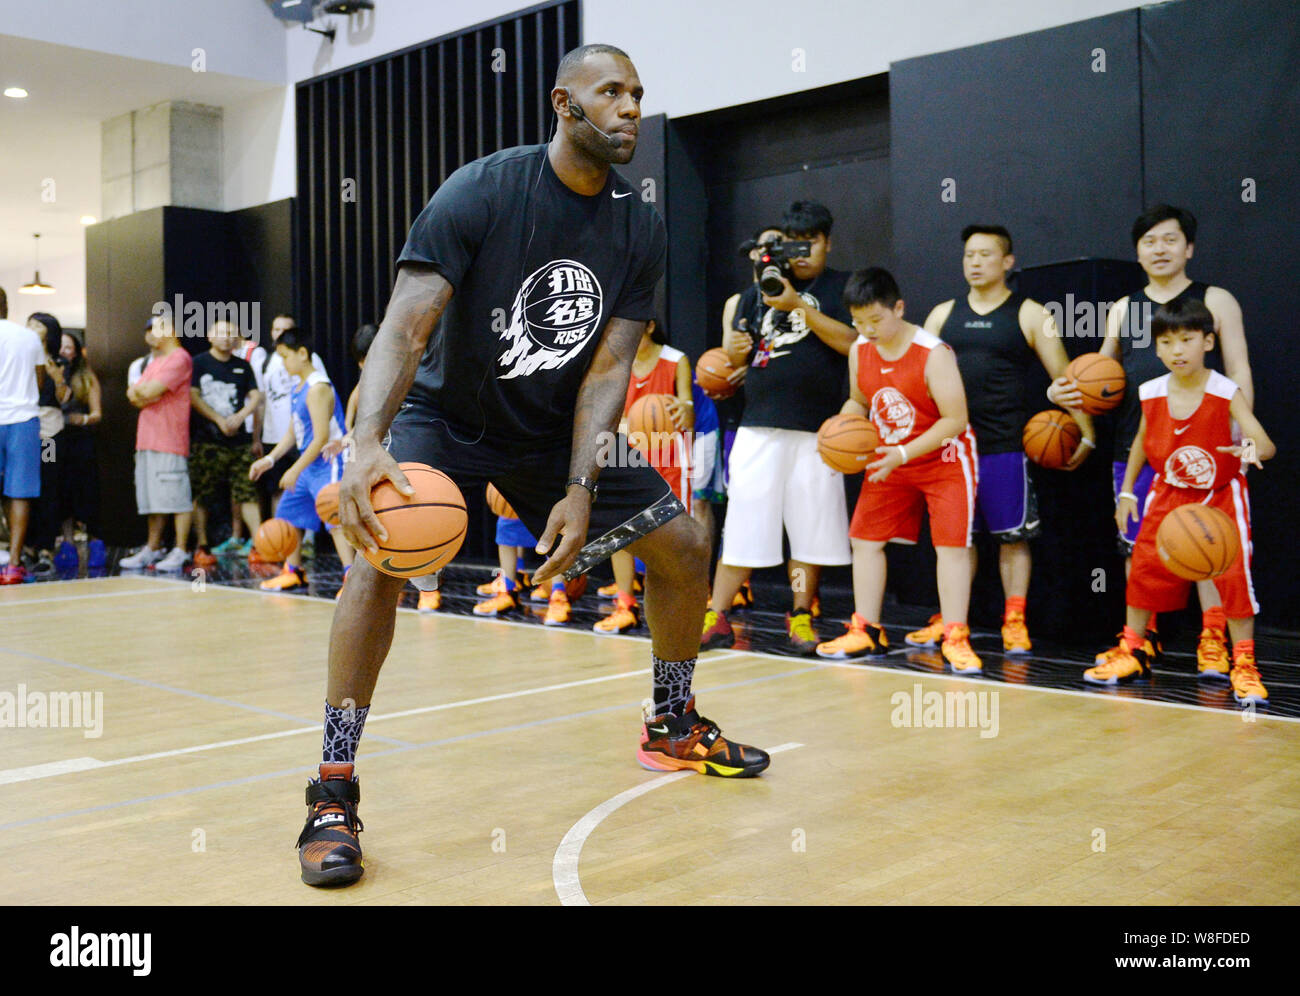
(1165, 237)
(796, 381)
(997, 337)
(223, 394)
(504, 357)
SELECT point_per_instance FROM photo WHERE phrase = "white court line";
(15, 603)
(564, 867)
(35, 771)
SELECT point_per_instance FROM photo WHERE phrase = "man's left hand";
(788, 299)
(569, 517)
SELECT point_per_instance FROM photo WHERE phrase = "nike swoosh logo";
(1106, 392)
(886, 370)
(616, 195)
(1179, 432)
(387, 565)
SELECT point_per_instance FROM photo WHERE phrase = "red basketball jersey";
(662, 379)
(1184, 452)
(898, 401)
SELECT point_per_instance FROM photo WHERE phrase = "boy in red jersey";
(906, 381)
(1186, 434)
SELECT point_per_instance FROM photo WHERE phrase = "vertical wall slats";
(397, 128)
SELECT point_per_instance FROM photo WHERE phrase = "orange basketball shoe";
(430, 601)
(1150, 643)
(611, 590)
(956, 650)
(290, 577)
(744, 597)
(328, 850)
(493, 587)
(1015, 634)
(502, 602)
(557, 609)
(861, 640)
(929, 635)
(1247, 686)
(692, 743)
(1212, 655)
(1124, 665)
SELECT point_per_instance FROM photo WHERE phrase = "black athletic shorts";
(632, 499)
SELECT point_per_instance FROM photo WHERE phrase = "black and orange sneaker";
(328, 850)
(744, 597)
(692, 743)
(717, 631)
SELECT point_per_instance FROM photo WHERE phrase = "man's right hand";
(370, 464)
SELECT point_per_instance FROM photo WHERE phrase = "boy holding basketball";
(906, 381)
(316, 417)
(1186, 434)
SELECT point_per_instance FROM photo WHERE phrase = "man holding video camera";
(794, 333)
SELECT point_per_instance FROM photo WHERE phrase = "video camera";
(773, 262)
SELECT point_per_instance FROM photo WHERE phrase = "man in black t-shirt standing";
(504, 357)
(796, 380)
(223, 394)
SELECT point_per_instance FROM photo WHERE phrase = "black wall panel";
(1222, 106)
(1030, 136)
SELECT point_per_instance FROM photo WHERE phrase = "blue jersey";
(302, 427)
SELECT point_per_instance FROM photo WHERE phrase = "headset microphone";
(581, 115)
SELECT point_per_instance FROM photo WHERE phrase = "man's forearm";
(837, 335)
(602, 395)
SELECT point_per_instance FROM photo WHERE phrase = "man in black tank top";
(1165, 238)
(997, 337)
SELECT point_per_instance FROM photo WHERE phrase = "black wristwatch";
(586, 482)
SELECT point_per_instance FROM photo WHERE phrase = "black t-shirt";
(795, 380)
(225, 387)
(537, 270)
(1137, 354)
(996, 363)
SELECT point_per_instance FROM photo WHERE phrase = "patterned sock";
(342, 732)
(1214, 618)
(672, 685)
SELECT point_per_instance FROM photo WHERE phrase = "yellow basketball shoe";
(1247, 686)
(929, 635)
(861, 640)
(957, 650)
(1212, 655)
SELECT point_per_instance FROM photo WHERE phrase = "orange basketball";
(1197, 542)
(649, 414)
(275, 540)
(848, 442)
(712, 371)
(327, 504)
(424, 531)
(1100, 379)
(1050, 438)
(498, 504)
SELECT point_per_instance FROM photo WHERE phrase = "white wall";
(66, 274)
(239, 37)
(258, 149)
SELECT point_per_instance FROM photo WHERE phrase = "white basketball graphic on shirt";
(555, 313)
(893, 414)
(1190, 467)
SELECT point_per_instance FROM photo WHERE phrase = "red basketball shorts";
(891, 510)
(1150, 584)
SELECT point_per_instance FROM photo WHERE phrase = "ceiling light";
(88, 219)
(17, 92)
(36, 286)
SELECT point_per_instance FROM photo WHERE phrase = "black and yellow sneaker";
(328, 850)
(800, 635)
(692, 743)
(717, 631)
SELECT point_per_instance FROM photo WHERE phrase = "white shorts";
(778, 478)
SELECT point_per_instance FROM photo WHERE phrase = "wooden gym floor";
(498, 767)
